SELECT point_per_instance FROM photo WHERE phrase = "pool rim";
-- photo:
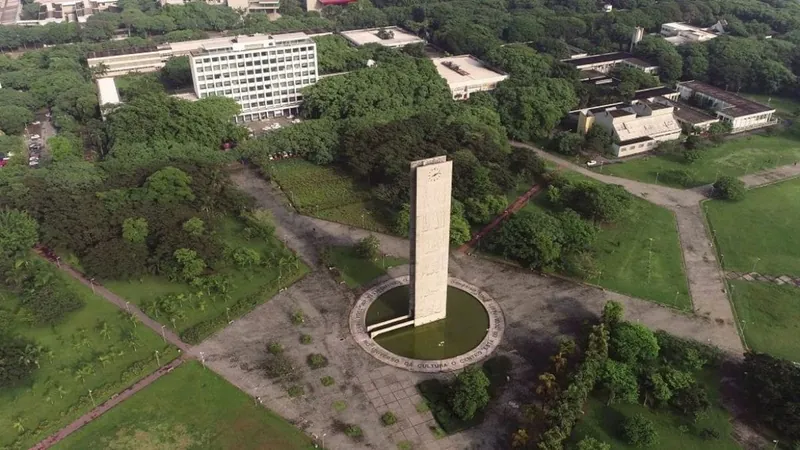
(487, 346)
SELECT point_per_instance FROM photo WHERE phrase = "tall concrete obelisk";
(431, 185)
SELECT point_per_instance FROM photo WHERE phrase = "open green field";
(603, 422)
(96, 348)
(735, 157)
(760, 231)
(640, 255)
(254, 285)
(356, 271)
(769, 316)
(190, 408)
(785, 107)
(321, 191)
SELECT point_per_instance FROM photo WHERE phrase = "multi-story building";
(57, 11)
(741, 113)
(466, 74)
(606, 62)
(264, 74)
(255, 6)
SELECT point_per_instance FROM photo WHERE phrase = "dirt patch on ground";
(158, 437)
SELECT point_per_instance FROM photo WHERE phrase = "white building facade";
(638, 127)
(466, 74)
(264, 74)
(741, 113)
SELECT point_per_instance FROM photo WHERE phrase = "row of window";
(260, 104)
(251, 84)
(248, 55)
(256, 63)
(275, 73)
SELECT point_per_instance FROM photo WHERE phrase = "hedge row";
(561, 419)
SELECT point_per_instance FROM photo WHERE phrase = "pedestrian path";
(780, 280)
(518, 204)
(106, 406)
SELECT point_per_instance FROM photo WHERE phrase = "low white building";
(637, 127)
(466, 74)
(606, 62)
(388, 37)
(679, 33)
(741, 113)
(107, 95)
(57, 11)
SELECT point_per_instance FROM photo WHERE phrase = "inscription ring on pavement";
(358, 328)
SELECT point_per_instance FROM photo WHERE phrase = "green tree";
(529, 111)
(663, 53)
(633, 343)
(590, 443)
(368, 248)
(18, 232)
(169, 185)
(619, 381)
(532, 238)
(62, 148)
(176, 73)
(194, 227)
(18, 357)
(191, 266)
(729, 188)
(134, 230)
(13, 119)
(639, 431)
(568, 143)
(459, 227)
(469, 393)
(244, 257)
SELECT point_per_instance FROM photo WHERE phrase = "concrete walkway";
(106, 406)
(705, 276)
(771, 176)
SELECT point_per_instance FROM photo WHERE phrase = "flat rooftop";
(466, 70)
(107, 91)
(739, 106)
(400, 37)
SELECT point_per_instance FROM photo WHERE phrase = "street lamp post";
(91, 397)
(163, 334)
(754, 265)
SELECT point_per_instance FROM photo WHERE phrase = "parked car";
(591, 163)
(35, 137)
(36, 123)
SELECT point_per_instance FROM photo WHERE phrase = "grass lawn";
(603, 423)
(784, 107)
(56, 397)
(261, 281)
(640, 255)
(190, 408)
(321, 191)
(356, 271)
(769, 315)
(734, 157)
(760, 230)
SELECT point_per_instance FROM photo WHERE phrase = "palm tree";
(104, 330)
(547, 385)
(18, 425)
(559, 362)
(202, 305)
(132, 340)
(61, 391)
(282, 262)
(104, 359)
(83, 372)
(30, 355)
(49, 399)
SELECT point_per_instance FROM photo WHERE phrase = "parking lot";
(261, 127)
(36, 136)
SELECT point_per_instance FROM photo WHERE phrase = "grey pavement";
(703, 271)
(771, 176)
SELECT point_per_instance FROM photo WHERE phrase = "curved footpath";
(703, 271)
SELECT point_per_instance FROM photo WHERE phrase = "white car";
(36, 123)
(591, 163)
(35, 136)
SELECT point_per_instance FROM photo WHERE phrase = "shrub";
(339, 405)
(681, 177)
(298, 318)
(18, 359)
(592, 444)
(305, 339)
(388, 418)
(327, 380)
(317, 361)
(568, 143)
(639, 431)
(368, 248)
(691, 156)
(422, 407)
(405, 445)
(470, 393)
(278, 365)
(275, 348)
(354, 431)
(296, 391)
(437, 431)
(729, 188)
(691, 401)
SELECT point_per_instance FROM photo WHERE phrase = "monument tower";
(431, 184)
